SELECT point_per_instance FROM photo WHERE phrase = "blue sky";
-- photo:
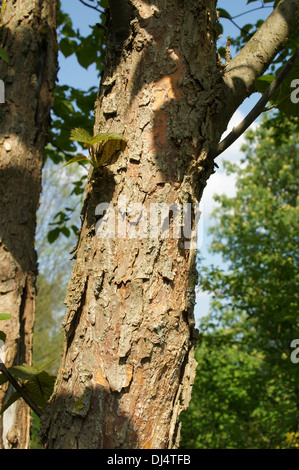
(73, 74)
(82, 16)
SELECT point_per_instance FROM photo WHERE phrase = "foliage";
(35, 442)
(54, 259)
(35, 382)
(246, 30)
(285, 98)
(3, 55)
(47, 339)
(73, 107)
(81, 135)
(247, 394)
(282, 98)
(54, 267)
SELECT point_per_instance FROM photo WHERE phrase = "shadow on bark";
(87, 421)
(24, 118)
(168, 62)
(102, 189)
(18, 206)
(175, 63)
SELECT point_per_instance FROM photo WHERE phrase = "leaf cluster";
(82, 135)
(247, 30)
(34, 381)
(282, 98)
(60, 224)
(73, 107)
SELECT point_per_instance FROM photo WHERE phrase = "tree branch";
(256, 56)
(19, 389)
(248, 11)
(257, 110)
(91, 6)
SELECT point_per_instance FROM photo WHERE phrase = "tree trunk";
(128, 366)
(28, 35)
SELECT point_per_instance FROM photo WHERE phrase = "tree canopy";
(247, 392)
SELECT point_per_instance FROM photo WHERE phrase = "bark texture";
(128, 364)
(127, 367)
(28, 35)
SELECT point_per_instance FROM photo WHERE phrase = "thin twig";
(257, 110)
(249, 11)
(91, 6)
(19, 389)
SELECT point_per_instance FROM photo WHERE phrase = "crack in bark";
(75, 320)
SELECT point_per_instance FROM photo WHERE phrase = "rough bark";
(128, 367)
(28, 35)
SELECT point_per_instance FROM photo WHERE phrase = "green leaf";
(62, 107)
(2, 336)
(68, 31)
(45, 365)
(66, 232)
(286, 96)
(53, 235)
(3, 379)
(264, 82)
(3, 55)
(14, 397)
(75, 229)
(223, 13)
(40, 387)
(86, 54)
(5, 316)
(78, 158)
(107, 136)
(24, 372)
(222, 52)
(67, 46)
(81, 135)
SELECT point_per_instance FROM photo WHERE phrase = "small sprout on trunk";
(81, 135)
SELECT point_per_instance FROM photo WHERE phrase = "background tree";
(246, 394)
(71, 107)
(54, 266)
(128, 352)
(28, 36)
(58, 218)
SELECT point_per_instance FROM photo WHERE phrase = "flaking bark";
(128, 366)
